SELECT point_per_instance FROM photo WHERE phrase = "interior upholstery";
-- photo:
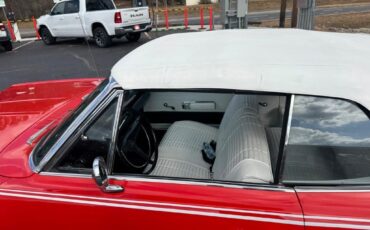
(180, 150)
(273, 137)
(243, 155)
(242, 152)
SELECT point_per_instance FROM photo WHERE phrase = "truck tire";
(133, 37)
(101, 37)
(8, 46)
(46, 36)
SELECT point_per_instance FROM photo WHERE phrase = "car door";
(65, 195)
(73, 24)
(327, 160)
(75, 202)
(56, 19)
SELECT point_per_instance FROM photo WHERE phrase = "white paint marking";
(85, 61)
(148, 36)
(26, 44)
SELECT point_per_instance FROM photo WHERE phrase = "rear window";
(94, 5)
(329, 143)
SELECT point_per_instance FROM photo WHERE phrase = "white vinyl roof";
(273, 60)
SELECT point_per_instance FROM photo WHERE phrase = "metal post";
(6, 17)
(282, 13)
(306, 14)
(234, 14)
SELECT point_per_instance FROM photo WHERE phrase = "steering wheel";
(131, 128)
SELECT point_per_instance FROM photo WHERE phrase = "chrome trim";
(100, 175)
(68, 175)
(73, 126)
(128, 29)
(110, 157)
(90, 119)
(289, 120)
(343, 189)
(38, 133)
(170, 181)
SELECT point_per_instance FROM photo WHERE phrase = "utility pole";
(282, 13)
(156, 15)
(294, 14)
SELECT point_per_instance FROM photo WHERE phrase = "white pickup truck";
(97, 19)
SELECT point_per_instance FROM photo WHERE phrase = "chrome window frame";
(86, 124)
(284, 137)
(72, 127)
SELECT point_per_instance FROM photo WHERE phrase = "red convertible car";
(242, 129)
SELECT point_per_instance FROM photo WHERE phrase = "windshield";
(49, 140)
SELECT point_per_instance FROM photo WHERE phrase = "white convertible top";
(273, 60)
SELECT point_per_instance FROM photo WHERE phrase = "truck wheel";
(101, 37)
(133, 37)
(8, 46)
(46, 36)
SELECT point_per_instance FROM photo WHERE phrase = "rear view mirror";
(100, 175)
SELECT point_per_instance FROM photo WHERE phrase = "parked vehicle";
(5, 39)
(97, 19)
(233, 138)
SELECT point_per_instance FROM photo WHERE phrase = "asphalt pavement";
(34, 61)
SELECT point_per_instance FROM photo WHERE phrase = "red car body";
(43, 201)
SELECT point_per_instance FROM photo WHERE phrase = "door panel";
(56, 24)
(171, 117)
(335, 208)
(73, 26)
(179, 101)
(77, 203)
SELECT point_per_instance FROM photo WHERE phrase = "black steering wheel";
(133, 149)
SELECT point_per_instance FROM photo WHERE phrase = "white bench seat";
(242, 152)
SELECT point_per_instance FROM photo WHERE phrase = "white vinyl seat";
(180, 150)
(242, 152)
(273, 138)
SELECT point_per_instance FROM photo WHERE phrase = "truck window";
(72, 7)
(94, 5)
(58, 9)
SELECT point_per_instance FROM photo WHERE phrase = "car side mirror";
(47, 12)
(100, 175)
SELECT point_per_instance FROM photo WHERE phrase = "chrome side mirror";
(100, 175)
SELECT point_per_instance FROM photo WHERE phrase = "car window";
(329, 143)
(49, 140)
(72, 7)
(58, 9)
(94, 141)
(93, 5)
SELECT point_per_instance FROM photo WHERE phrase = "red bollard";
(210, 18)
(201, 18)
(186, 21)
(35, 27)
(166, 18)
(11, 31)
